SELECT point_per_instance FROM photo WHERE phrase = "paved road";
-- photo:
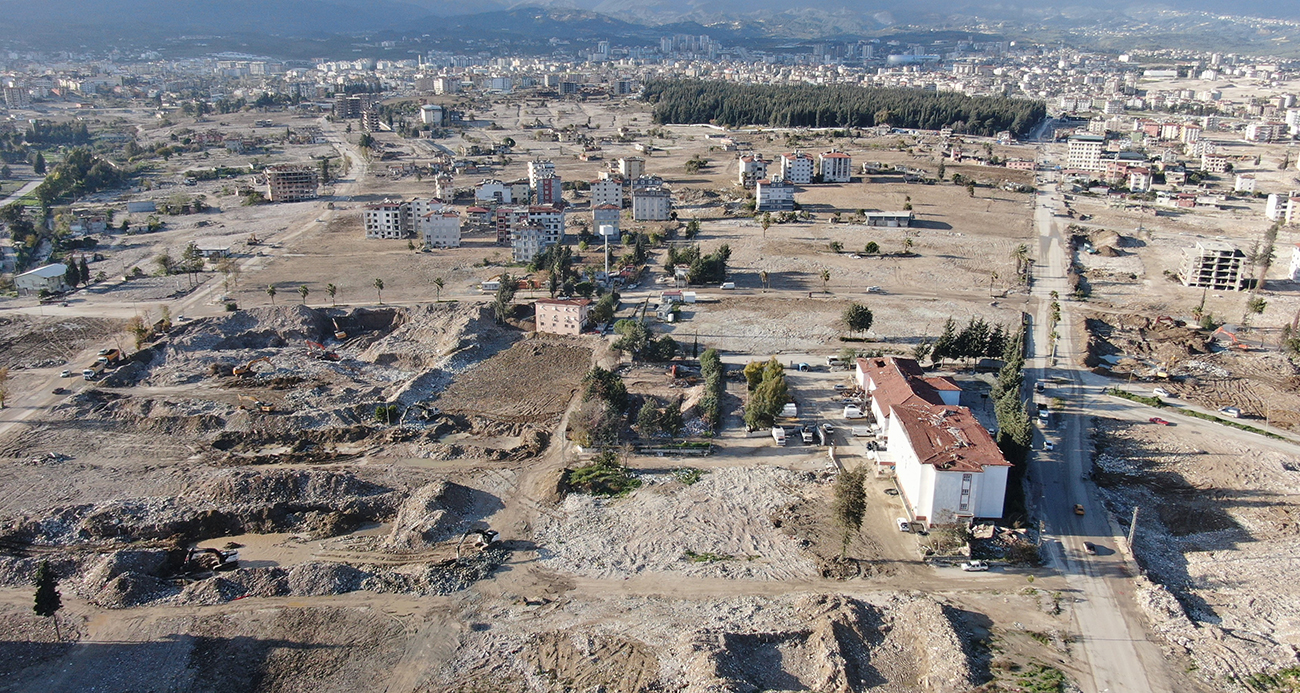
(30, 186)
(1114, 642)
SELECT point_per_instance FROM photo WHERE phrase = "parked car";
(873, 289)
(1038, 386)
(828, 428)
(1090, 548)
(853, 411)
(974, 566)
(65, 374)
(1078, 509)
(902, 525)
(59, 390)
(807, 434)
(1231, 411)
(1158, 420)
(1049, 445)
(891, 492)
(1161, 392)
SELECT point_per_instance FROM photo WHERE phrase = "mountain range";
(70, 23)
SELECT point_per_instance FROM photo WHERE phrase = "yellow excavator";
(252, 403)
(247, 368)
(339, 333)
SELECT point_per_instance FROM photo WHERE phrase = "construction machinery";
(1236, 343)
(317, 350)
(339, 333)
(247, 368)
(253, 403)
(480, 539)
(252, 240)
(198, 561)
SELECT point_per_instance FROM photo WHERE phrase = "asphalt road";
(1114, 642)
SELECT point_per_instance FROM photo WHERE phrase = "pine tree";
(84, 270)
(38, 166)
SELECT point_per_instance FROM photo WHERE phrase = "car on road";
(902, 525)
(874, 290)
(828, 428)
(891, 492)
(65, 374)
(1038, 386)
(853, 411)
(1161, 392)
(1049, 445)
(59, 390)
(1234, 412)
(1078, 509)
(1090, 548)
(1160, 421)
(974, 566)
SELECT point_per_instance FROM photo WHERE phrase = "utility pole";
(1132, 528)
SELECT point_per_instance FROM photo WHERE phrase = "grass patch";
(1141, 399)
(1158, 403)
(605, 476)
(1283, 681)
(707, 557)
(1041, 679)
(688, 475)
(1235, 424)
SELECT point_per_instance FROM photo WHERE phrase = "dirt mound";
(594, 662)
(425, 519)
(228, 502)
(531, 382)
(133, 589)
(255, 328)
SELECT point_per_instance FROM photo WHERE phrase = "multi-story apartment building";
(836, 167)
(751, 170)
(537, 169)
(651, 204)
(1265, 131)
(493, 191)
(796, 168)
(631, 167)
(1214, 265)
(290, 183)
(526, 242)
(550, 218)
(440, 229)
(561, 316)
(1084, 152)
(548, 189)
(773, 195)
(606, 191)
(506, 220)
(606, 215)
(385, 219)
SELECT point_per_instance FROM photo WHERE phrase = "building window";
(963, 505)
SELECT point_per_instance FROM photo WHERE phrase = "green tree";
(970, 189)
(647, 419)
(857, 318)
(379, 289)
(606, 386)
(872, 248)
(438, 283)
(332, 291)
(270, 291)
(71, 275)
(753, 374)
(38, 166)
(946, 345)
(303, 291)
(826, 281)
(850, 505)
(48, 599)
(671, 420)
(505, 294)
(84, 270)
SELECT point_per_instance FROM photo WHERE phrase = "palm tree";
(907, 246)
(826, 280)
(303, 291)
(438, 284)
(332, 290)
(993, 276)
(379, 289)
(270, 291)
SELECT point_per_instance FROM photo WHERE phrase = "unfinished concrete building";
(1214, 265)
(289, 183)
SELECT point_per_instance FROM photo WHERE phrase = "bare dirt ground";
(1217, 535)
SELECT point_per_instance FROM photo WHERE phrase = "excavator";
(317, 350)
(247, 368)
(339, 334)
(1236, 343)
(254, 403)
(198, 561)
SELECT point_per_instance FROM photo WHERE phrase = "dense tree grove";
(724, 103)
(80, 173)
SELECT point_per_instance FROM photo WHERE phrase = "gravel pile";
(317, 579)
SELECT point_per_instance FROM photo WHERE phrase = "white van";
(852, 411)
(728, 286)
(778, 434)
